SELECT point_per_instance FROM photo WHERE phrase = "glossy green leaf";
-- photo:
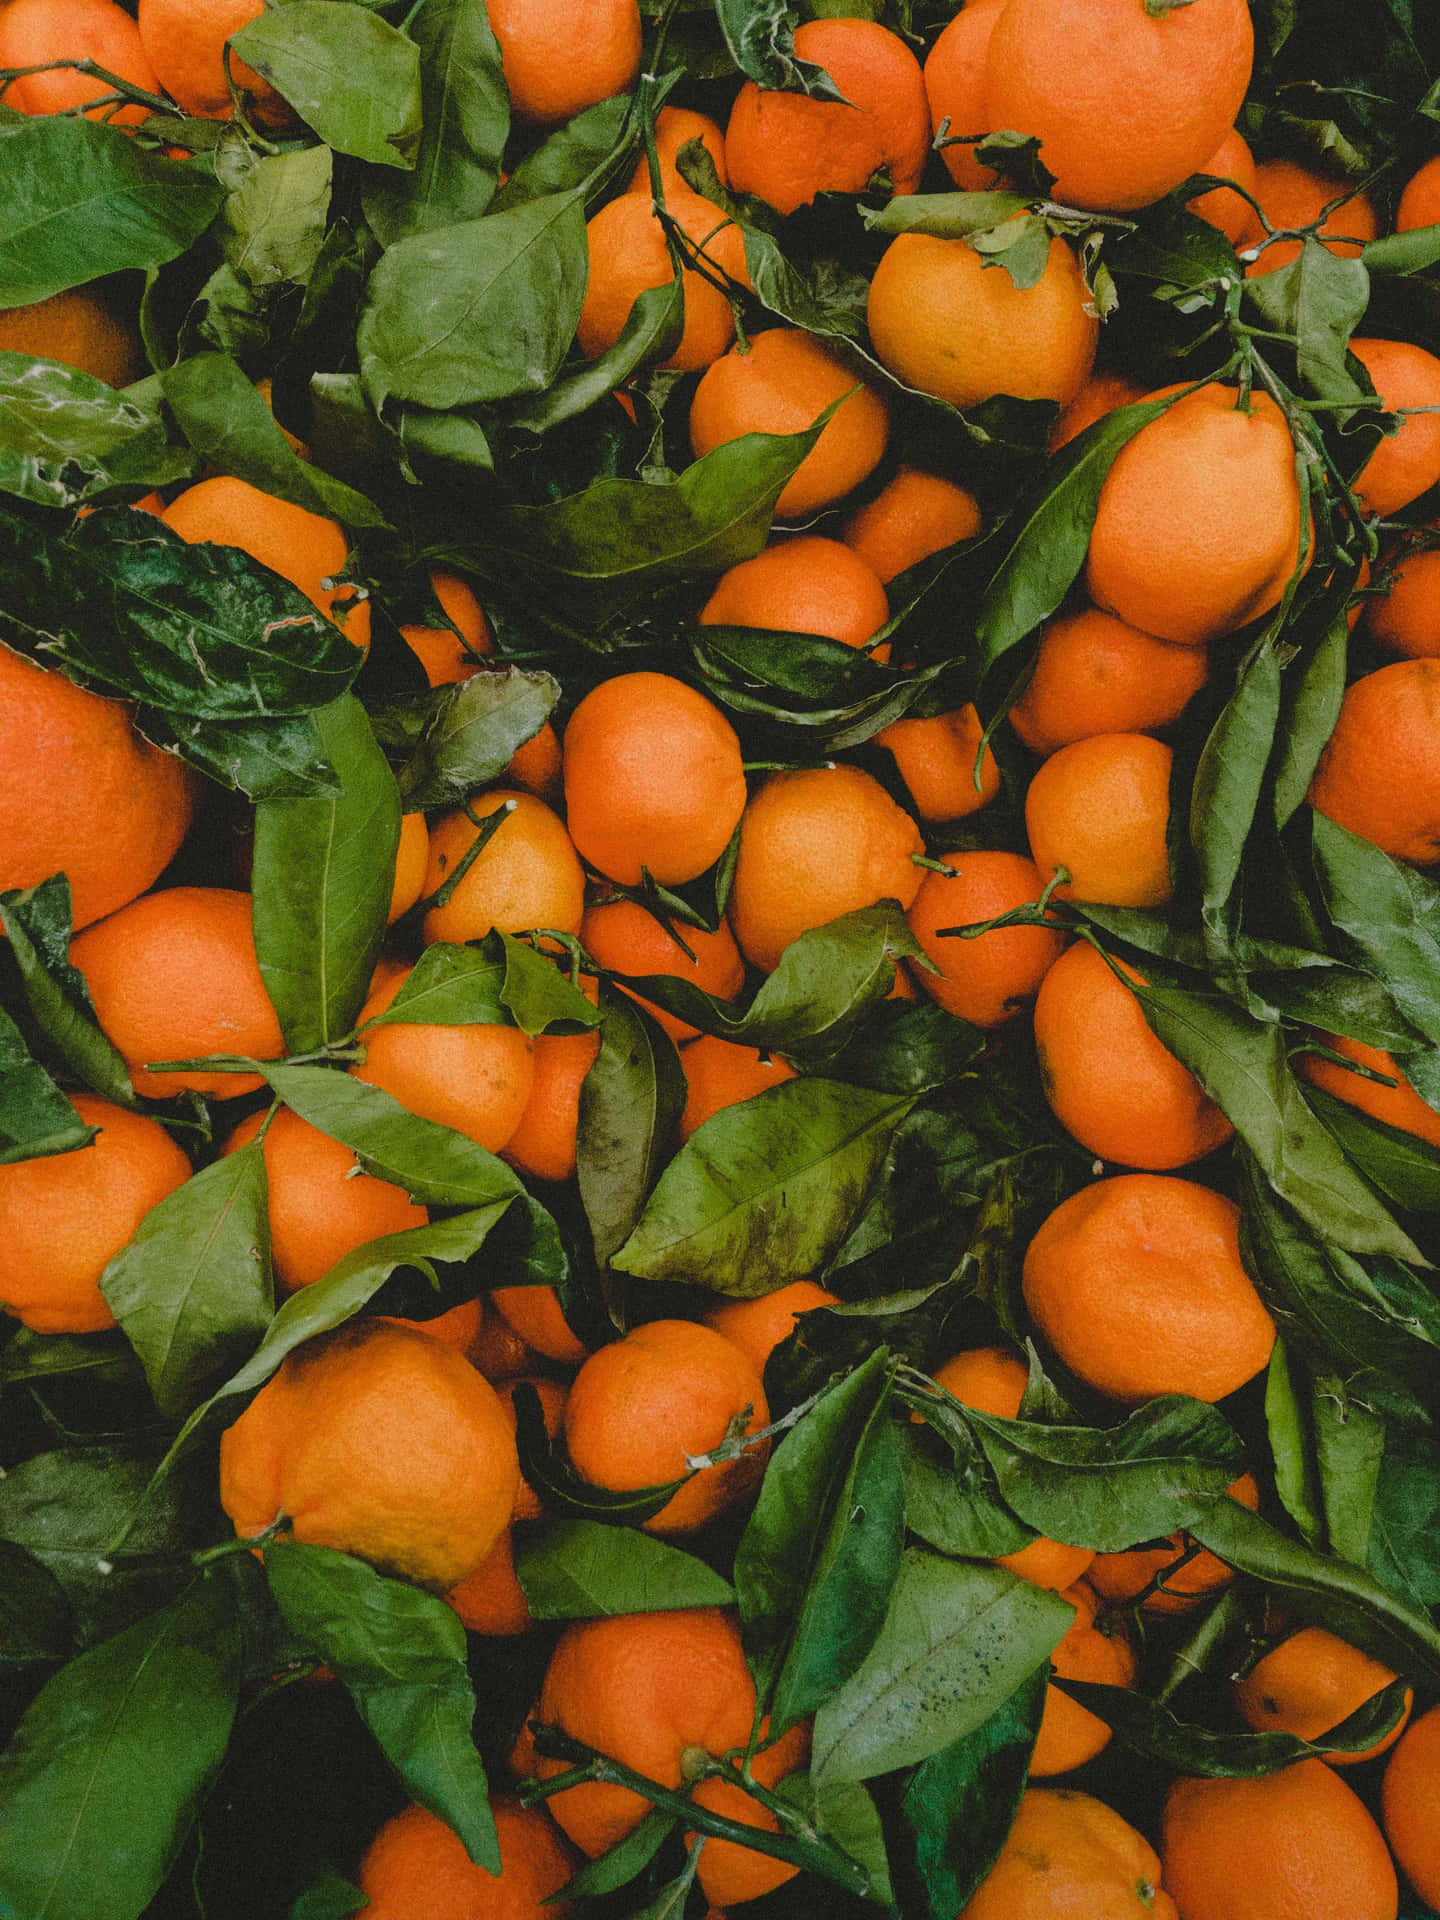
(630, 1106)
(1379, 909)
(1319, 298)
(1349, 1445)
(568, 156)
(450, 986)
(35, 1116)
(349, 74)
(761, 37)
(37, 922)
(574, 1569)
(539, 997)
(67, 438)
(457, 738)
(1314, 707)
(951, 1500)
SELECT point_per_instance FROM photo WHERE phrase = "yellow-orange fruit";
(720, 1074)
(418, 1865)
(1310, 1683)
(757, 1327)
(628, 254)
(624, 937)
(560, 58)
(1094, 674)
(1295, 196)
(1398, 1106)
(1410, 1805)
(1070, 1735)
(1100, 808)
(914, 515)
(936, 760)
(1380, 772)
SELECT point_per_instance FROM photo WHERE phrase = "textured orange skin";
(173, 976)
(1398, 1106)
(731, 1873)
(1121, 1576)
(942, 321)
(1094, 674)
(1102, 393)
(782, 385)
(321, 1206)
(83, 328)
(1137, 1283)
(1126, 104)
(416, 1864)
(628, 254)
(379, 1441)
(34, 31)
(544, 1142)
(1405, 618)
(1198, 526)
(668, 1388)
(64, 1217)
(552, 1407)
(1410, 1804)
(1420, 202)
(1406, 464)
(1070, 1857)
(720, 1074)
(490, 1599)
(676, 127)
(813, 845)
(955, 88)
(81, 793)
(560, 58)
(1294, 1845)
(1222, 206)
(787, 147)
(805, 584)
(987, 979)
(757, 1327)
(535, 766)
(1293, 196)
(622, 936)
(528, 875)
(1380, 773)
(444, 652)
(936, 760)
(1070, 1735)
(411, 858)
(303, 548)
(185, 43)
(1310, 1683)
(914, 515)
(535, 1314)
(653, 779)
(1099, 808)
(1110, 1082)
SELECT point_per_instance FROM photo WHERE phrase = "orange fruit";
(1137, 1283)
(914, 515)
(945, 322)
(1231, 212)
(64, 1217)
(1103, 391)
(955, 88)
(536, 1315)
(1122, 1577)
(623, 937)
(1406, 463)
(1291, 1843)
(552, 1397)
(559, 58)
(83, 327)
(757, 1327)
(446, 652)
(544, 1142)
(304, 548)
(1405, 617)
(628, 254)
(1094, 674)
(499, 1352)
(787, 147)
(322, 1206)
(654, 782)
(490, 1599)
(1070, 1857)
(729, 1871)
(936, 760)
(456, 1327)
(1310, 1683)
(782, 383)
(1295, 196)
(804, 584)
(1420, 202)
(720, 1074)
(1410, 1804)
(416, 1864)
(34, 32)
(411, 859)
(1198, 526)
(676, 127)
(57, 742)
(1100, 808)
(1070, 1735)
(1380, 773)
(1127, 101)
(185, 41)
(527, 875)
(814, 845)
(173, 976)
(667, 1389)
(1110, 1082)
(536, 767)
(987, 979)
(1398, 1106)
(378, 1441)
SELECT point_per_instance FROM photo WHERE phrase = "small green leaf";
(630, 1106)
(1228, 779)
(37, 922)
(349, 74)
(538, 996)
(273, 224)
(457, 738)
(67, 438)
(583, 1570)
(761, 37)
(35, 1116)
(652, 332)
(450, 986)
(1292, 1446)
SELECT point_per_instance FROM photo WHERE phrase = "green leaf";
(1319, 298)
(545, 1465)
(568, 156)
(951, 1501)
(273, 224)
(461, 737)
(30, 1356)
(1292, 1447)
(538, 996)
(331, 1897)
(1405, 1168)
(1401, 253)
(349, 74)
(401, 1655)
(1314, 707)
(630, 1106)
(36, 1621)
(761, 37)
(1228, 780)
(583, 1570)
(1405, 1520)
(37, 921)
(1349, 1444)
(652, 332)
(947, 216)
(35, 1116)
(450, 986)
(102, 1779)
(1380, 912)
(67, 438)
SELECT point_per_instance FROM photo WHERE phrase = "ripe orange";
(1137, 1283)
(1294, 1842)
(628, 254)
(458, 1327)
(411, 858)
(730, 1872)
(1407, 463)
(1127, 101)
(720, 1074)
(559, 58)
(1122, 1577)
(85, 328)
(552, 1397)
(536, 1315)
(185, 41)
(814, 845)
(914, 515)
(379, 1441)
(1296, 196)
(33, 32)
(544, 1143)
(173, 976)
(535, 766)
(1420, 202)
(1231, 212)
(782, 383)
(490, 1599)
(1094, 674)
(1102, 393)
(1310, 1683)
(654, 782)
(676, 127)
(1070, 1735)
(936, 760)
(498, 1350)
(787, 147)
(64, 1217)
(58, 742)
(445, 652)
(416, 1864)
(804, 584)
(945, 322)
(1380, 772)
(757, 1327)
(1405, 618)
(527, 875)
(667, 1389)
(1410, 1804)
(623, 937)
(955, 88)
(1070, 1857)
(987, 979)
(1398, 1106)
(1099, 808)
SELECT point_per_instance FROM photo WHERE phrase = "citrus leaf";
(574, 1569)
(68, 438)
(38, 922)
(630, 1106)
(35, 1116)
(349, 74)
(455, 739)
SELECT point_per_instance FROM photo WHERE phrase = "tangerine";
(527, 875)
(914, 515)
(1100, 808)
(988, 978)
(719, 1074)
(1095, 674)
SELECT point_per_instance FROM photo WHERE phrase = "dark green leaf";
(1405, 1521)
(264, 759)
(37, 921)
(67, 438)
(1349, 1443)
(951, 1501)
(460, 737)
(36, 1622)
(651, 333)
(349, 74)
(35, 1116)
(1410, 252)
(331, 1897)
(761, 37)
(1314, 708)
(1228, 779)
(584, 1570)
(630, 1106)
(1319, 298)
(1292, 1445)
(626, 1859)
(1405, 1168)
(1380, 912)
(568, 156)
(948, 216)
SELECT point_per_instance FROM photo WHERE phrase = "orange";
(64, 1217)
(955, 88)
(1296, 196)
(782, 383)
(81, 793)
(498, 1350)
(536, 1315)
(757, 1327)
(1297, 1842)
(1070, 1735)
(1100, 808)
(1407, 463)
(1126, 100)
(945, 322)
(416, 1864)
(914, 515)
(322, 1206)
(84, 328)
(535, 765)
(476, 1079)
(1110, 1082)
(446, 653)
(1070, 1857)
(1102, 393)
(1231, 212)
(1380, 772)
(33, 32)
(987, 979)
(787, 147)
(1094, 674)
(1398, 1106)
(185, 42)
(626, 939)
(527, 875)
(544, 1142)
(560, 58)
(1420, 202)
(676, 127)
(378, 1441)
(1198, 527)
(805, 584)
(411, 858)
(1405, 618)
(936, 760)
(1138, 1285)
(490, 1599)
(304, 548)
(814, 845)
(1122, 1577)
(654, 782)
(1410, 1805)
(729, 1871)
(173, 976)
(552, 1397)
(1310, 1683)
(667, 1389)
(457, 1327)
(720, 1074)
(628, 254)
